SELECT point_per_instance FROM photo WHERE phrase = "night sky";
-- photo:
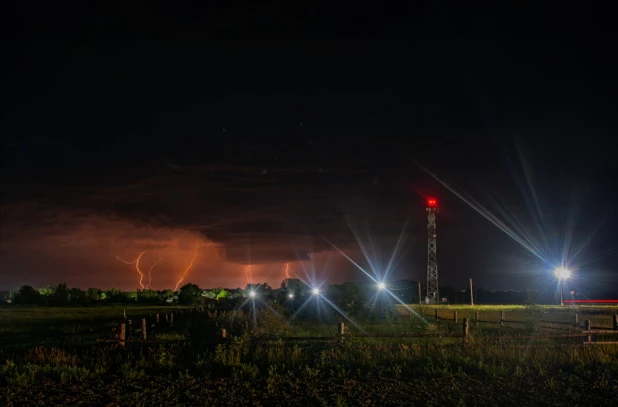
(251, 135)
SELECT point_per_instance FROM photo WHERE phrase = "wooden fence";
(153, 323)
(126, 333)
(503, 320)
(588, 333)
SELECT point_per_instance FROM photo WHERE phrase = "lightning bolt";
(136, 262)
(287, 275)
(188, 268)
(150, 271)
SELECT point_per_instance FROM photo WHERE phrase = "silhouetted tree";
(47, 291)
(148, 296)
(129, 296)
(61, 294)
(94, 294)
(350, 301)
(221, 294)
(78, 297)
(28, 295)
(113, 295)
(167, 294)
(189, 293)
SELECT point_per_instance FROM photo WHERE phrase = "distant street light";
(252, 294)
(291, 295)
(562, 273)
(316, 291)
(381, 286)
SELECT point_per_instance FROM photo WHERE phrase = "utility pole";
(432, 260)
(471, 294)
(420, 295)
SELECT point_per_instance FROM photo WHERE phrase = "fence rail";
(588, 333)
(148, 325)
(125, 333)
(437, 316)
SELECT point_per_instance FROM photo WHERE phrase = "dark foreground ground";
(321, 390)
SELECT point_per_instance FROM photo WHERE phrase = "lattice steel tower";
(432, 258)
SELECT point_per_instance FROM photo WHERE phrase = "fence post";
(466, 328)
(143, 328)
(223, 333)
(455, 316)
(587, 329)
(172, 318)
(615, 321)
(502, 318)
(156, 318)
(576, 318)
(122, 335)
(340, 331)
(436, 315)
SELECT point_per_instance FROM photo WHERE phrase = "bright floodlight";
(252, 294)
(381, 286)
(315, 291)
(562, 273)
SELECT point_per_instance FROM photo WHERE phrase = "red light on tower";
(432, 203)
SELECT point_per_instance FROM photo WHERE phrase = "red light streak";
(136, 262)
(150, 271)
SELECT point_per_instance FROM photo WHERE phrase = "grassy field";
(24, 327)
(598, 315)
(210, 370)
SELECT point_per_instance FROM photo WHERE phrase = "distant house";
(208, 302)
(172, 299)
(6, 297)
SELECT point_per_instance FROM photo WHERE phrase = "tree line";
(352, 297)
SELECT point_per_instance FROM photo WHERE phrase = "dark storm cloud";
(258, 215)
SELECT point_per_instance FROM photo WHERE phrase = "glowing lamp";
(252, 294)
(291, 295)
(562, 273)
(432, 203)
(316, 291)
(381, 286)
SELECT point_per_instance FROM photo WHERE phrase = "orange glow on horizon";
(136, 262)
(247, 268)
